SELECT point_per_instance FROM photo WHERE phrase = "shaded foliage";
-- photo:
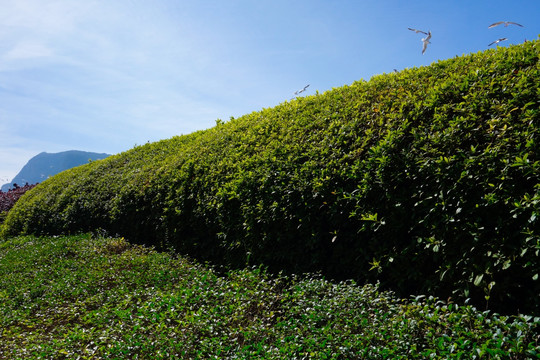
(103, 298)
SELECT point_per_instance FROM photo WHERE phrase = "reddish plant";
(10, 197)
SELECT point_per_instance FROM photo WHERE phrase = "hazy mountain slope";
(44, 165)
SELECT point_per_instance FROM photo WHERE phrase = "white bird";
(498, 41)
(506, 23)
(418, 31)
(426, 42)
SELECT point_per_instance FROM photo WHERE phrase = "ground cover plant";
(426, 181)
(93, 297)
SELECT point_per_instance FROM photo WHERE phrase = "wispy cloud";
(28, 50)
(101, 76)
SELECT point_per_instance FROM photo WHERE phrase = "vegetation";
(92, 297)
(426, 181)
(10, 197)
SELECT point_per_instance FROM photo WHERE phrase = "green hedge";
(425, 180)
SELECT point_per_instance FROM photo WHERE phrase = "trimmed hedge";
(425, 180)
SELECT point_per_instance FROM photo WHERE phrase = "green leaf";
(478, 279)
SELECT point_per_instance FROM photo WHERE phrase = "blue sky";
(104, 76)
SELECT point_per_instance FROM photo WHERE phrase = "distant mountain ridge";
(44, 165)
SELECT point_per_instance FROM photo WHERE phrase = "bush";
(10, 197)
(425, 180)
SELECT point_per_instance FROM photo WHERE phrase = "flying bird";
(418, 31)
(498, 41)
(506, 23)
(301, 90)
(426, 42)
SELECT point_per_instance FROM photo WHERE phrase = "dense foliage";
(426, 180)
(101, 298)
(10, 197)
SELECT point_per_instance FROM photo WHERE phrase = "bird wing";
(424, 47)
(498, 41)
(495, 24)
(417, 31)
(510, 22)
(426, 42)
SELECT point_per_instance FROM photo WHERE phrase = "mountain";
(44, 165)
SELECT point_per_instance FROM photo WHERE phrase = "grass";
(92, 297)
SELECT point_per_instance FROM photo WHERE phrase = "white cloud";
(33, 33)
(28, 50)
(43, 17)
